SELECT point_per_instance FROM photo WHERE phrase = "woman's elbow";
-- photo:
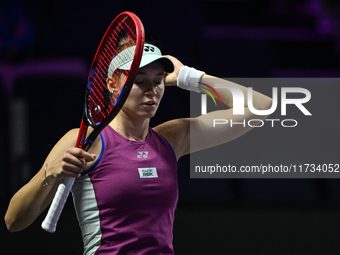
(11, 224)
(264, 104)
(268, 103)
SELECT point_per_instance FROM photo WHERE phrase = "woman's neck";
(132, 130)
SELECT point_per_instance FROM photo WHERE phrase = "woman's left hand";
(171, 78)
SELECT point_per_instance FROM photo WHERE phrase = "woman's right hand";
(71, 163)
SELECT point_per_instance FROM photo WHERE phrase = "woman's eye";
(142, 82)
(158, 82)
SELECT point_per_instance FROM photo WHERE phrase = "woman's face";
(146, 92)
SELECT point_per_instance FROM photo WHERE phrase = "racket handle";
(59, 200)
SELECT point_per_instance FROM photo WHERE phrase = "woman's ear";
(111, 84)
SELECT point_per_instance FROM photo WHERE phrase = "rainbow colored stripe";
(209, 93)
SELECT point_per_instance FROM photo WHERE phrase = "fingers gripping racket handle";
(50, 222)
(52, 217)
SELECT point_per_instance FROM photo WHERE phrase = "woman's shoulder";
(69, 139)
(172, 126)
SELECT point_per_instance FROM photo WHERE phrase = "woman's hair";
(122, 42)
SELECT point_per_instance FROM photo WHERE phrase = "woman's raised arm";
(190, 135)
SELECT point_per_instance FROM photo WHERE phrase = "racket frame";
(82, 142)
(52, 217)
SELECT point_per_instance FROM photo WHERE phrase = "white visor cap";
(150, 54)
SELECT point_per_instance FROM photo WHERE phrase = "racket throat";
(82, 134)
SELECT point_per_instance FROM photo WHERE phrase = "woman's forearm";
(26, 205)
(260, 101)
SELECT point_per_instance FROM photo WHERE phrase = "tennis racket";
(121, 45)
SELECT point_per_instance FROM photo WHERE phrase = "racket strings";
(101, 101)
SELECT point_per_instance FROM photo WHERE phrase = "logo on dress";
(150, 172)
(143, 154)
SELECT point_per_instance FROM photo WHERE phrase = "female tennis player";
(126, 188)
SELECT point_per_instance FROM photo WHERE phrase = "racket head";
(102, 105)
(108, 86)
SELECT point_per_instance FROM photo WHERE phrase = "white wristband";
(188, 78)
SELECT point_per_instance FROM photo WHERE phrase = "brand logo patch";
(143, 154)
(149, 172)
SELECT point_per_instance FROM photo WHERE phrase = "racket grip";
(59, 200)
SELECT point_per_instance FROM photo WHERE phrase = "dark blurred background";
(46, 49)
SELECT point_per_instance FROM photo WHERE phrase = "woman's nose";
(151, 89)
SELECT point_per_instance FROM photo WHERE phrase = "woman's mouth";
(150, 103)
